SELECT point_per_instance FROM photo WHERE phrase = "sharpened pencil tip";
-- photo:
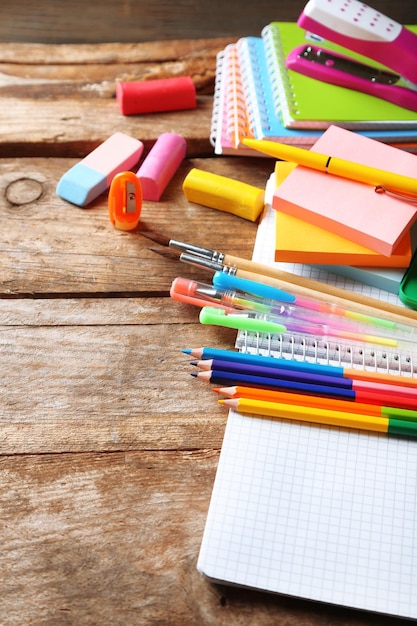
(186, 351)
(193, 362)
(194, 374)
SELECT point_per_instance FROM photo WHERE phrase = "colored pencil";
(269, 395)
(367, 397)
(277, 373)
(317, 379)
(302, 366)
(323, 416)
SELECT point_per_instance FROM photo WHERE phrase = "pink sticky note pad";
(161, 164)
(347, 208)
(86, 180)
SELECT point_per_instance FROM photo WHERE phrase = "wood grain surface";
(108, 447)
(75, 21)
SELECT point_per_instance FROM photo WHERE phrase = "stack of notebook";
(322, 513)
(257, 96)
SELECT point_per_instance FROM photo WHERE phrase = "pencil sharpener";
(125, 201)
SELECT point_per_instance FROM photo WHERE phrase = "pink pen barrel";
(161, 164)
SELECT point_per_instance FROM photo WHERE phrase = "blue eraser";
(89, 178)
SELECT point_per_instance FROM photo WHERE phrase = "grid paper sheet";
(310, 511)
(320, 513)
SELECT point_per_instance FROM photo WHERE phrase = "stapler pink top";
(359, 28)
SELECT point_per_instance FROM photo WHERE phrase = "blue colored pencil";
(300, 366)
(234, 378)
(273, 372)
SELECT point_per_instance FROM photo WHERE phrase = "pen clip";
(395, 194)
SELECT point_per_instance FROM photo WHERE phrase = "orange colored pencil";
(255, 393)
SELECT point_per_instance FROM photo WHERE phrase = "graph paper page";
(316, 512)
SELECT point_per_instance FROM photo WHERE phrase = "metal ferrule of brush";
(205, 253)
(199, 261)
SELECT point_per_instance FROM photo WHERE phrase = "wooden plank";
(114, 538)
(147, 20)
(104, 375)
(74, 89)
(49, 246)
(76, 127)
(47, 103)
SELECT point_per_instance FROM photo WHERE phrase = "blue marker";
(222, 280)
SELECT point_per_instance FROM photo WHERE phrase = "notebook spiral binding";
(280, 76)
(253, 91)
(216, 117)
(235, 109)
(310, 349)
(229, 116)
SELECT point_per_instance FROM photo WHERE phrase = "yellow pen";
(380, 179)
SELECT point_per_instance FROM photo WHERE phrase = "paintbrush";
(218, 261)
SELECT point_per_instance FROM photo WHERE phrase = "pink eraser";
(151, 96)
(89, 178)
(161, 164)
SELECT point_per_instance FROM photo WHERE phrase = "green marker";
(240, 321)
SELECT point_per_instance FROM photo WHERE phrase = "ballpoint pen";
(224, 280)
(276, 324)
(280, 309)
(380, 179)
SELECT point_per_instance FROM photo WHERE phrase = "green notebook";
(305, 102)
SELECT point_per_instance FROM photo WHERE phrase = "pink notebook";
(347, 208)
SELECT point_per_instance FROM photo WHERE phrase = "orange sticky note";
(297, 241)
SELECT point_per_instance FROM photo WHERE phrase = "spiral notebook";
(242, 102)
(305, 102)
(321, 513)
(246, 103)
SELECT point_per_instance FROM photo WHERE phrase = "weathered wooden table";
(108, 447)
